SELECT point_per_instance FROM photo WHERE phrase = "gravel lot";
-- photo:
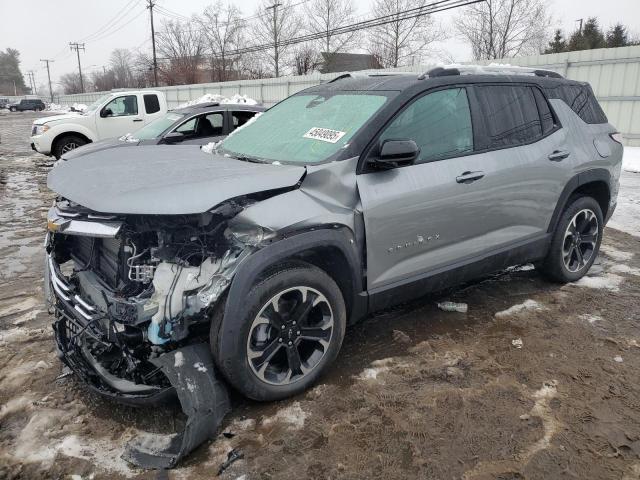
(536, 381)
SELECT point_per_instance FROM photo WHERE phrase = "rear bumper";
(78, 326)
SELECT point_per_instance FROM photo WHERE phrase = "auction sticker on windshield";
(324, 134)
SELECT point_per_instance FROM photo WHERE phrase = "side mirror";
(106, 112)
(173, 137)
(397, 153)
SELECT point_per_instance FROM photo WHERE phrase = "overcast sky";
(44, 28)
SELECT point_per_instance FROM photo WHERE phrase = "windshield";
(97, 103)
(304, 128)
(159, 125)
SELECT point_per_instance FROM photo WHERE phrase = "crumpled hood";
(53, 118)
(163, 180)
(96, 147)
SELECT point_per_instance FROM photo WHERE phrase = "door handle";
(469, 177)
(559, 155)
(137, 119)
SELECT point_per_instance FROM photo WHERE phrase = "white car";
(112, 115)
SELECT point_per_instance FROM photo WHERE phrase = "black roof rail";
(487, 70)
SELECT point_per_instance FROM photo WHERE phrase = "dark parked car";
(194, 125)
(34, 104)
(4, 102)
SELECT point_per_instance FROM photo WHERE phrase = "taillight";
(616, 137)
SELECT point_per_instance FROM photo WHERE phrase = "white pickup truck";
(112, 115)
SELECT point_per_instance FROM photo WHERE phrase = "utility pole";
(580, 29)
(276, 53)
(153, 43)
(32, 81)
(77, 47)
(47, 61)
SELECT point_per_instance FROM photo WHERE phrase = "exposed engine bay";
(128, 292)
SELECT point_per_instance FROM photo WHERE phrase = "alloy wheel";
(580, 240)
(67, 147)
(290, 335)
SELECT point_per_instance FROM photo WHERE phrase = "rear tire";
(13, 109)
(290, 330)
(66, 144)
(576, 240)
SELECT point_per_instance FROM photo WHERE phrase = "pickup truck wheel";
(291, 329)
(12, 109)
(576, 241)
(66, 144)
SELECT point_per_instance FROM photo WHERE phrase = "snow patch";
(293, 416)
(631, 160)
(517, 343)
(618, 359)
(615, 254)
(214, 97)
(542, 410)
(623, 268)
(608, 281)
(152, 442)
(527, 305)
(178, 360)
(16, 404)
(587, 317)
(200, 367)
(19, 334)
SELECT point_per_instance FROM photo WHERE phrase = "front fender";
(249, 270)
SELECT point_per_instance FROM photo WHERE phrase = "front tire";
(66, 144)
(290, 331)
(576, 241)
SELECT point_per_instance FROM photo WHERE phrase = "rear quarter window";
(151, 103)
(581, 100)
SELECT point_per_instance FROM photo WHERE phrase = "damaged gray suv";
(343, 199)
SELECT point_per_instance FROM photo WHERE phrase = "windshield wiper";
(246, 158)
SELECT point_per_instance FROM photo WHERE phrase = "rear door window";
(510, 114)
(439, 123)
(241, 117)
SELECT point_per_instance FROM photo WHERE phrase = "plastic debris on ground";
(233, 456)
(453, 307)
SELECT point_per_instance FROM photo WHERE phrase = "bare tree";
(304, 58)
(70, 83)
(404, 40)
(143, 70)
(276, 24)
(103, 80)
(120, 63)
(504, 28)
(182, 46)
(325, 16)
(222, 26)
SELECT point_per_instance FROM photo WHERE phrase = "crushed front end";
(127, 289)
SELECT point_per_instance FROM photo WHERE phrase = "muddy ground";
(536, 381)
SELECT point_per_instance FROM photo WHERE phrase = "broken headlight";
(251, 235)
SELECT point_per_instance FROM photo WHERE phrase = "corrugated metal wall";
(614, 74)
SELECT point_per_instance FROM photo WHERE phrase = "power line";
(428, 9)
(119, 27)
(77, 47)
(122, 13)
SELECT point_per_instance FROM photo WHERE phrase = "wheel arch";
(61, 135)
(595, 183)
(333, 250)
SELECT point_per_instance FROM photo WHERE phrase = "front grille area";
(104, 256)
